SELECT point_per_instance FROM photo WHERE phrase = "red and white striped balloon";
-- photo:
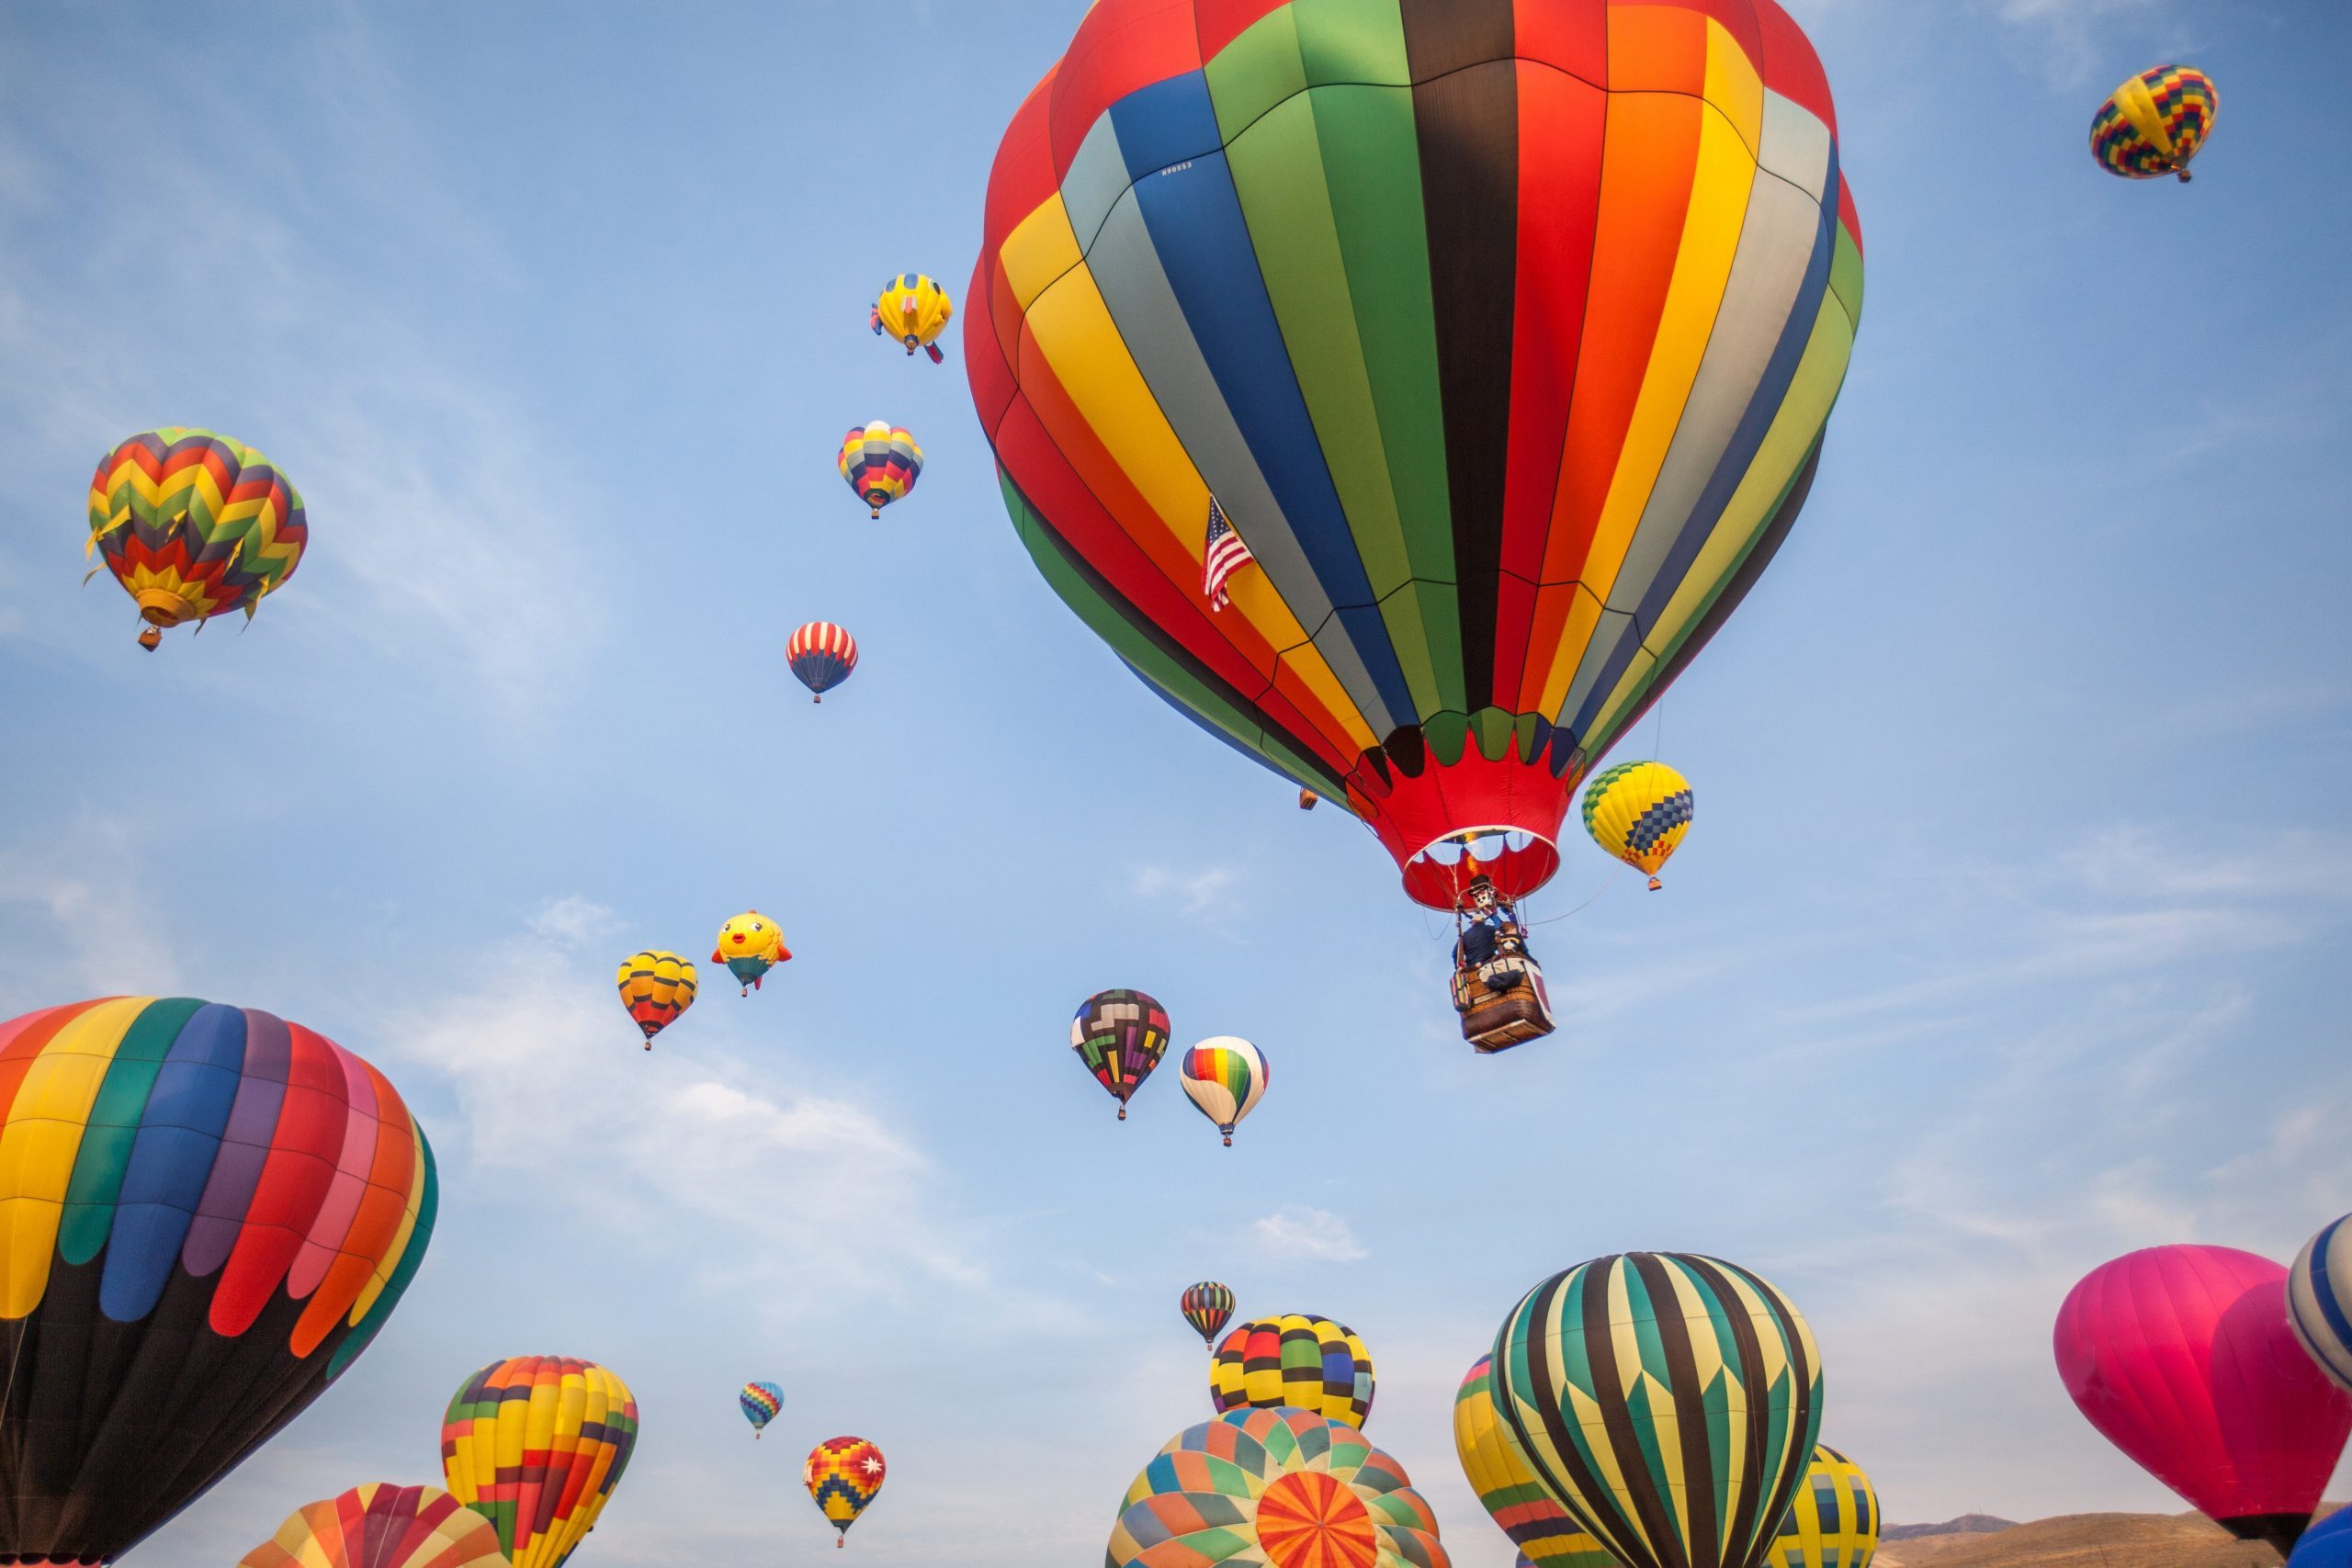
(821, 655)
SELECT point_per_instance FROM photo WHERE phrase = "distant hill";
(1967, 1524)
(2077, 1540)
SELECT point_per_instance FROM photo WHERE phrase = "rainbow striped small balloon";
(820, 655)
(1208, 1307)
(760, 1401)
(1224, 1077)
(881, 463)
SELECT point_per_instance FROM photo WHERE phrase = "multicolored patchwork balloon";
(1594, 1369)
(1639, 813)
(1299, 1361)
(881, 463)
(2319, 1301)
(656, 987)
(760, 1401)
(2153, 124)
(194, 524)
(1225, 1076)
(382, 1525)
(820, 656)
(536, 1445)
(1834, 1520)
(1502, 332)
(206, 1214)
(1120, 1035)
(750, 944)
(1283, 1488)
(1208, 1307)
(1506, 1488)
(915, 311)
(844, 1475)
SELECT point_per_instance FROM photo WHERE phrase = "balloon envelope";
(1208, 1306)
(382, 1525)
(1225, 1076)
(881, 463)
(194, 524)
(750, 944)
(820, 656)
(2153, 124)
(209, 1213)
(1834, 1520)
(655, 987)
(1502, 334)
(1120, 1035)
(1285, 1488)
(1639, 813)
(915, 311)
(1594, 1369)
(1506, 1487)
(760, 1402)
(844, 1475)
(2319, 1301)
(1297, 1361)
(2327, 1544)
(536, 1445)
(2182, 1357)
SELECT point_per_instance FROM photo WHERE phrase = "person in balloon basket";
(1490, 930)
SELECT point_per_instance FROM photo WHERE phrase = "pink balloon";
(2182, 1357)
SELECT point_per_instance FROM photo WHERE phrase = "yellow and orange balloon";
(577, 1424)
(656, 987)
(915, 311)
(382, 1525)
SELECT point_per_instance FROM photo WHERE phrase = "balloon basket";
(1123, 1114)
(1228, 1140)
(150, 638)
(1655, 884)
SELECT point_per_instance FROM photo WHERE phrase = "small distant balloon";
(1120, 1035)
(1225, 1076)
(881, 463)
(1208, 1306)
(749, 945)
(1299, 1361)
(820, 656)
(193, 525)
(844, 1475)
(2153, 124)
(656, 987)
(915, 311)
(760, 1401)
(1639, 813)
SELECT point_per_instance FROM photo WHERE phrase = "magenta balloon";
(2182, 1357)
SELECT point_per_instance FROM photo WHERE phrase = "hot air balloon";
(1298, 1360)
(1639, 812)
(1506, 1485)
(1225, 1076)
(2153, 124)
(914, 310)
(760, 1401)
(1120, 1035)
(536, 1445)
(1281, 1487)
(656, 987)
(1593, 1369)
(1835, 1518)
(2319, 1301)
(2327, 1544)
(1504, 338)
(750, 944)
(820, 656)
(194, 524)
(382, 1525)
(1208, 1306)
(881, 463)
(2182, 1357)
(209, 1212)
(844, 1475)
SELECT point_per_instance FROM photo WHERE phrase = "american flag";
(1222, 555)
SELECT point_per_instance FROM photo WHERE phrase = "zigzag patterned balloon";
(193, 525)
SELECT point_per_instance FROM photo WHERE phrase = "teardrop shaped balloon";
(844, 1475)
(656, 987)
(382, 1525)
(2153, 124)
(760, 1401)
(1506, 1484)
(915, 311)
(2319, 1301)
(2183, 1358)
(193, 525)
(1835, 1518)
(1120, 1035)
(1410, 392)
(209, 1213)
(881, 463)
(536, 1445)
(1225, 1076)
(820, 656)
(1594, 1369)
(1297, 1361)
(1208, 1307)
(1639, 813)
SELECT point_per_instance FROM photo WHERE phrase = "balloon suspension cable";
(1608, 880)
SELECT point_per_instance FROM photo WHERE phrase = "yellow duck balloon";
(915, 311)
(749, 945)
(1639, 812)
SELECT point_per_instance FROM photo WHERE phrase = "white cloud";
(572, 921)
(1197, 893)
(1296, 1230)
(89, 895)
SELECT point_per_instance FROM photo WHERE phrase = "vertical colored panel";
(106, 1138)
(244, 1145)
(170, 1161)
(41, 1138)
(294, 1181)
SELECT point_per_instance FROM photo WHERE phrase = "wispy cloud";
(1206, 891)
(1296, 1230)
(94, 922)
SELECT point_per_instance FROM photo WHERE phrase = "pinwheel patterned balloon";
(2153, 124)
(881, 463)
(1275, 1488)
(1639, 813)
(382, 1525)
(820, 656)
(656, 987)
(1594, 1372)
(1834, 1520)
(2319, 1301)
(1208, 1306)
(194, 524)
(844, 1475)
(1120, 1035)
(1299, 1361)
(915, 311)
(536, 1445)
(760, 1401)
(206, 1214)
(1224, 1077)
(1506, 1487)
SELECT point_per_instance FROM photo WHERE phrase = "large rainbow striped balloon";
(205, 1213)
(382, 1525)
(1502, 332)
(536, 1444)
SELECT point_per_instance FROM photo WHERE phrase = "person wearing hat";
(1487, 922)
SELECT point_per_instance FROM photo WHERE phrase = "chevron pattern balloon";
(761, 1402)
(1299, 1361)
(536, 1445)
(382, 1525)
(194, 524)
(844, 1476)
(1594, 1370)
(1273, 1489)
(1506, 1484)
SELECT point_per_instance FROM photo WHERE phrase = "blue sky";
(2002, 945)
